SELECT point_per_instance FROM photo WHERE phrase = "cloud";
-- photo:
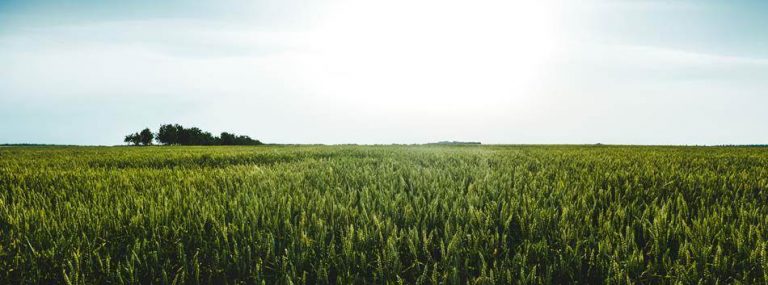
(691, 58)
(175, 37)
(644, 63)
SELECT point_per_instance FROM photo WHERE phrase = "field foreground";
(389, 214)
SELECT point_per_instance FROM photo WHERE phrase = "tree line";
(178, 135)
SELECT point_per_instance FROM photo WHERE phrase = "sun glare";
(442, 55)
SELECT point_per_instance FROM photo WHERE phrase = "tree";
(178, 135)
(146, 136)
(246, 140)
(134, 139)
(227, 138)
(169, 134)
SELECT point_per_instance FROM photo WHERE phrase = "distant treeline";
(744, 145)
(454, 142)
(178, 135)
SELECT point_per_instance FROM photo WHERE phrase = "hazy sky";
(402, 71)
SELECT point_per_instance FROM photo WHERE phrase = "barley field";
(384, 215)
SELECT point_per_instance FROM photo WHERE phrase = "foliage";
(232, 139)
(178, 135)
(373, 215)
(146, 136)
(169, 134)
(134, 139)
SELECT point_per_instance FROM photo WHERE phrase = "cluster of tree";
(454, 142)
(178, 135)
(144, 137)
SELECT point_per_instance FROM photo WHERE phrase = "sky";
(379, 72)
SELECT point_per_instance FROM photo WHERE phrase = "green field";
(384, 214)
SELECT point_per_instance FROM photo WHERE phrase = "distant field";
(390, 214)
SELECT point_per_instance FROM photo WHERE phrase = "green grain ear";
(383, 215)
